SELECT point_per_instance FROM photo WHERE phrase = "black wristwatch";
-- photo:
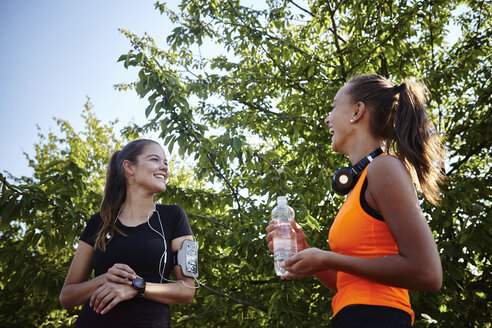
(139, 285)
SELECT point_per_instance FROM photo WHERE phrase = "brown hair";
(115, 190)
(398, 115)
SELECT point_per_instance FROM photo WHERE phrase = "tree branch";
(272, 37)
(237, 300)
(8, 185)
(279, 115)
(296, 85)
(283, 72)
(335, 35)
(269, 163)
(21, 193)
(209, 219)
(195, 315)
(475, 151)
(303, 9)
(370, 53)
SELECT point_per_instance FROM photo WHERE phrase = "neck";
(360, 142)
(362, 148)
(136, 209)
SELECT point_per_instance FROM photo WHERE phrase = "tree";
(251, 118)
(42, 217)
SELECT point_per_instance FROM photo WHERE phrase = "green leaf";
(148, 110)
(236, 144)
(128, 57)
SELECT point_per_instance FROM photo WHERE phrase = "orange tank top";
(355, 232)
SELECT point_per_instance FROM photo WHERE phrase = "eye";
(154, 159)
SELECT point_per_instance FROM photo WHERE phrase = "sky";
(56, 53)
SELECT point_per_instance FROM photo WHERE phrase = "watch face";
(138, 283)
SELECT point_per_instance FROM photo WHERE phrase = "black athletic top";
(141, 250)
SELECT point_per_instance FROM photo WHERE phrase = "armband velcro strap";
(174, 258)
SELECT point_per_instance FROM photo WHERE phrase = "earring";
(351, 120)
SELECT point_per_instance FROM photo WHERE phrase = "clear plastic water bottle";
(284, 238)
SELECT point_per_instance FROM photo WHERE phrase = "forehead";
(342, 94)
(153, 149)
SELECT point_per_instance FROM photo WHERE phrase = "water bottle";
(284, 238)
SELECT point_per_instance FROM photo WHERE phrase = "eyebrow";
(151, 155)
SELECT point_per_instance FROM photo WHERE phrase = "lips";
(160, 177)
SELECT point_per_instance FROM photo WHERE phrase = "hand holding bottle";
(301, 238)
(307, 263)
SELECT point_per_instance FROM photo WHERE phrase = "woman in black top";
(130, 239)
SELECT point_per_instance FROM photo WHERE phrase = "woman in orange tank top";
(381, 245)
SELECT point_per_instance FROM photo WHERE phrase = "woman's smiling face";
(151, 170)
(338, 120)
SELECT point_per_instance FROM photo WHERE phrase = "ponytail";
(416, 142)
(399, 117)
(113, 198)
(115, 190)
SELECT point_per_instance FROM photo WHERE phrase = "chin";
(159, 189)
(334, 147)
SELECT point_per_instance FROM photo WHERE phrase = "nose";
(164, 167)
(327, 119)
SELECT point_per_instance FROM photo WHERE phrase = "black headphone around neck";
(345, 178)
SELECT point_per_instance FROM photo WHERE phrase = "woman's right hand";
(121, 274)
(301, 238)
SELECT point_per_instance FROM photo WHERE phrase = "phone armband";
(187, 258)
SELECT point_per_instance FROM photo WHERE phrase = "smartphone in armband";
(187, 258)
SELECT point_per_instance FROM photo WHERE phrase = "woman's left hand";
(109, 294)
(305, 263)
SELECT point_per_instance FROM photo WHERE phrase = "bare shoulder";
(388, 179)
(386, 175)
(387, 167)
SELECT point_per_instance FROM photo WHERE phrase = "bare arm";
(77, 289)
(391, 191)
(328, 278)
(176, 292)
(417, 266)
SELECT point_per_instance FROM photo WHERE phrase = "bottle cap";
(281, 200)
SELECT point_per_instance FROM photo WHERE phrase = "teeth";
(160, 176)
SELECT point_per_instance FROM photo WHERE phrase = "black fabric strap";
(365, 206)
(174, 259)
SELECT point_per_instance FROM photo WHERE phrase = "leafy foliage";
(249, 118)
(42, 218)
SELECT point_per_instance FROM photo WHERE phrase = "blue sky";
(55, 53)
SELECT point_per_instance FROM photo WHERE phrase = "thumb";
(290, 260)
(296, 226)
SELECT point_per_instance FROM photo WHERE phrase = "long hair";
(115, 190)
(399, 117)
